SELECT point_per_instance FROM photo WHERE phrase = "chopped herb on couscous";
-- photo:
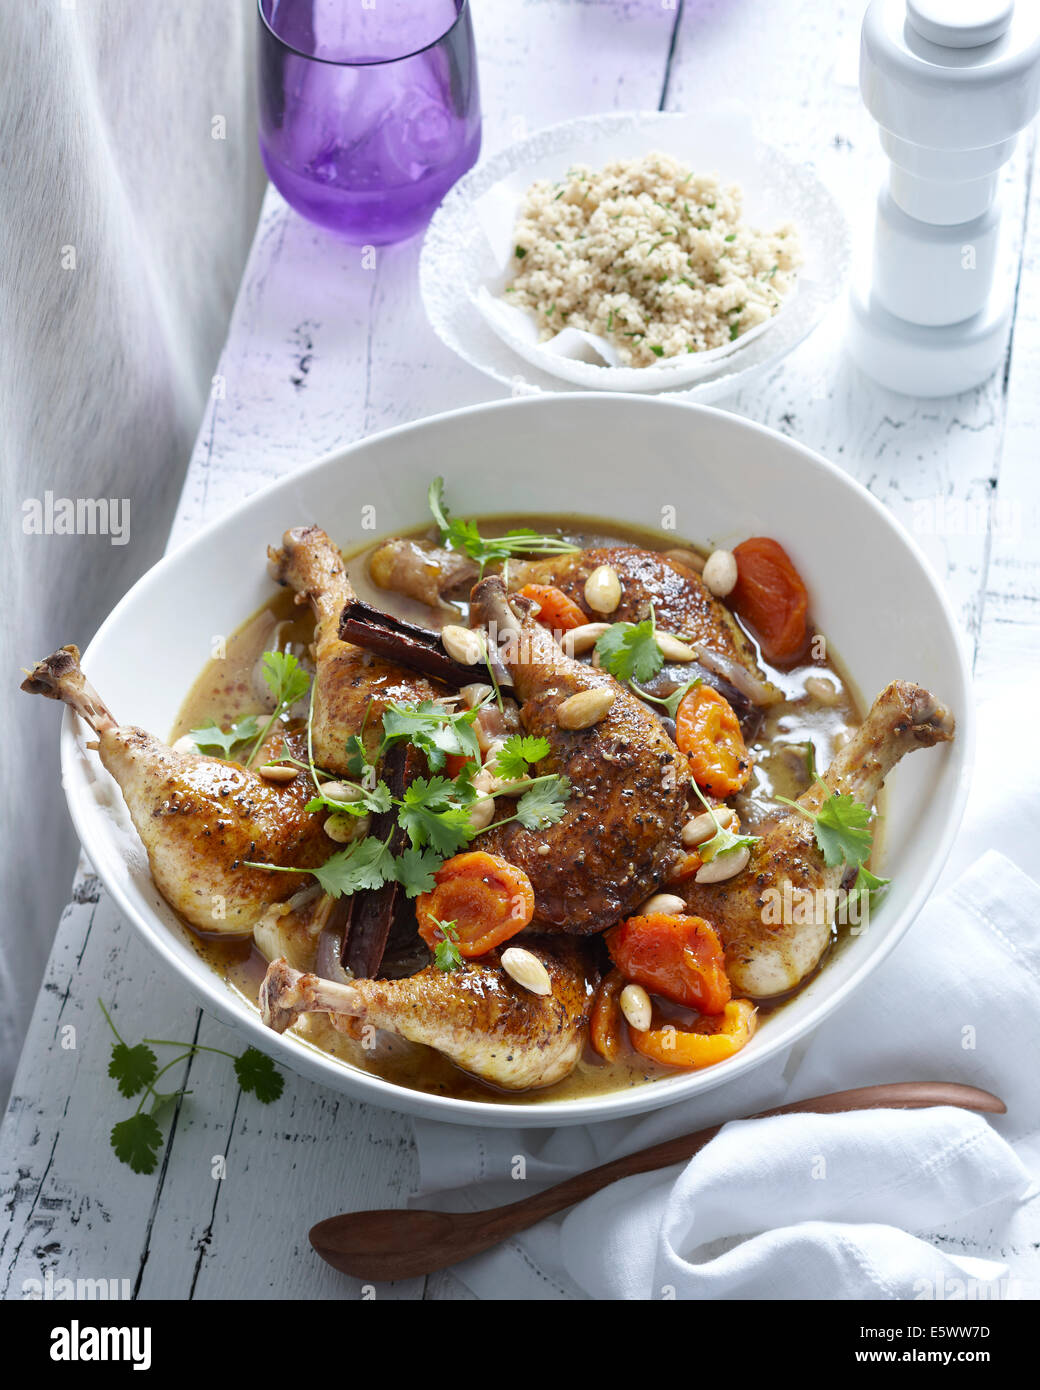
(650, 256)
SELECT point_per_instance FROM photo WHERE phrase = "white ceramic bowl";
(468, 248)
(622, 456)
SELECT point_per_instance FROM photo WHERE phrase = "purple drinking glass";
(369, 110)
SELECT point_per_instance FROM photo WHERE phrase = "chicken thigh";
(621, 826)
(766, 956)
(199, 818)
(476, 1015)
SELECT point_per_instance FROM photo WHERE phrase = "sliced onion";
(327, 962)
(758, 691)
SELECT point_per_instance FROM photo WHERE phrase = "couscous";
(650, 256)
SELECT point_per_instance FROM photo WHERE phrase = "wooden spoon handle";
(400, 1244)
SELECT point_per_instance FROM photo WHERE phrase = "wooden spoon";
(400, 1244)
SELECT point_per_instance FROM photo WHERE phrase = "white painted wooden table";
(321, 352)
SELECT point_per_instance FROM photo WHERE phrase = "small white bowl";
(609, 456)
(466, 253)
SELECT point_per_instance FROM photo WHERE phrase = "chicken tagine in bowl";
(521, 807)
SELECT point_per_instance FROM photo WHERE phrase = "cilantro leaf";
(415, 869)
(841, 831)
(724, 842)
(285, 678)
(431, 815)
(356, 762)
(465, 536)
(544, 804)
(258, 1074)
(841, 826)
(446, 954)
(375, 799)
(435, 730)
(516, 753)
(211, 736)
(865, 884)
(629, 651)
(133, 1068)
(137, 1141)
(366, 863)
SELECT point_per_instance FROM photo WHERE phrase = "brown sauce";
(224, 691)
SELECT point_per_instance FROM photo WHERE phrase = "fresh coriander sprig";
(137, 1140)
(211, 736)
(630, 651)
(517, 753)
(446, 954)
(465, 536)
(288, 682)
(437, 731)
(434, 811)
(542, 805)
(842, 829)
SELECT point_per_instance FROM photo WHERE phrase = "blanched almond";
(582, 639)
(603, 589)
(342, 792)
(668, 903)
(635, 1005)
(526, 969)
(702, 827)
(724, 866)
(720, 573)
(673, 649)
(278, 772)
(342, 827)
(586, 708)
(463, 644)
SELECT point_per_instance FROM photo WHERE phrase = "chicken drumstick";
(766, 956)
(199, 817)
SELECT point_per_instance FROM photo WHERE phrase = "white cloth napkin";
(880, 1205)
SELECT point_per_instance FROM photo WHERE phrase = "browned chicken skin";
(621, 827)
(486, 1023)
(682, 605)
(349, 683)
(199, 818)
(765, 957)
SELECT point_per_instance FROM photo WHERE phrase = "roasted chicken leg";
(476, 1015)
(199, 817)
(351, 686)
(621, 827)
(766, 954)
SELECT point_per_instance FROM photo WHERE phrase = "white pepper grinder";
(951, 83)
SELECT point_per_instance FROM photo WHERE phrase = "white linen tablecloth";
(846, 1206)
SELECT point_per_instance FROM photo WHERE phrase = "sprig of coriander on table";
(137, 1140)
(465, 536)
